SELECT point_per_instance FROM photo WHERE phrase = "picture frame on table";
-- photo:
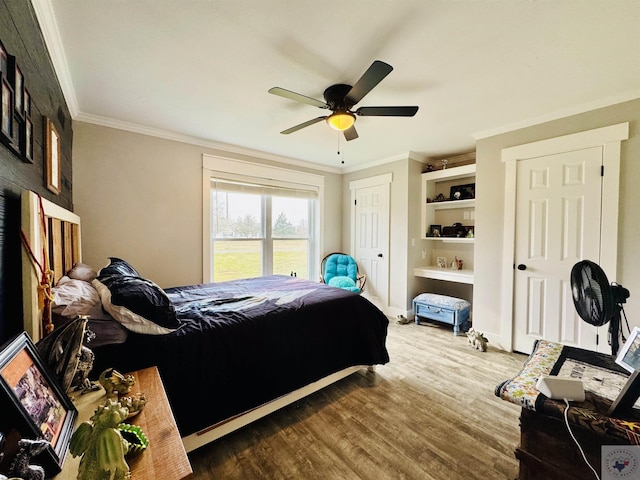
(35, 399)
(629, 355)
(52, 156)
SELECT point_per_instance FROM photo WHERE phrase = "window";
(261, 230)
(259, 219)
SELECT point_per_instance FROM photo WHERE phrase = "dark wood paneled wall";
(22, 37)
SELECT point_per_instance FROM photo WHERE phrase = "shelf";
(450, 275)
(451, 173)
(452, 204)
(448, 212)
(450, 239)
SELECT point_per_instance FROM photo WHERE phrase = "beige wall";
(490, 189)
(140, 198)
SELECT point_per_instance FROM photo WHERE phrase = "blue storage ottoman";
(451, 310)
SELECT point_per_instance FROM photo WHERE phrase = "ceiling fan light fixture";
(341, 121)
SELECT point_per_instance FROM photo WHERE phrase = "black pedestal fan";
(597, 301)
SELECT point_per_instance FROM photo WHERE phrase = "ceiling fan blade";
(350, 133)
(297, 97)
(302, 125)
(373, 76)
(387, 111)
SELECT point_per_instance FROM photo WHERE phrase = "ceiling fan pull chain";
(341, 161)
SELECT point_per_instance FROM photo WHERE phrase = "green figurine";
(101, 444)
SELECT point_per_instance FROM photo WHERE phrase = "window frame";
(250, 172)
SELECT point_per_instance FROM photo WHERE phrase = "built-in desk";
(447, 274)
(165, 457)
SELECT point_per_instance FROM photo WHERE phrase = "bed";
(228, 353)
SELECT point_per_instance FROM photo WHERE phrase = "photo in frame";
(434, 231)
(26, 147)
(629, 355)
(4, 60)
(52, 156)
(462, 192)
(27, 103)
(17, 82)
(441, 262)
(6, 112)
(34, 398)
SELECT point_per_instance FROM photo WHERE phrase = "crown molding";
(49, 28)
(558, 114)
(229, 148)
(375, 163)
(202, 142)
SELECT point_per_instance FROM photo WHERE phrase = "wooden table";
(165, 457)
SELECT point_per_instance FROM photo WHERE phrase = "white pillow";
(68, 291)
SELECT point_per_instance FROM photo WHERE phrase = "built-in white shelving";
(445, 213)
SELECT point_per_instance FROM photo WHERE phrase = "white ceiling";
(202, 68)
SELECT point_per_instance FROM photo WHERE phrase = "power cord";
(566, 421)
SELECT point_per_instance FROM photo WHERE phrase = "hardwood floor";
(430, 413)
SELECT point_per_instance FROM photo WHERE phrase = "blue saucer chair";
(341, 270)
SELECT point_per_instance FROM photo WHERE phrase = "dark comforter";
(246, 342)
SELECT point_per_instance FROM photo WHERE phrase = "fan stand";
(614, 331)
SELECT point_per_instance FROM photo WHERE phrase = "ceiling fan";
(341, 98)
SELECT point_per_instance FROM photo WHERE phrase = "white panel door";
(372, 240)
(558, 214)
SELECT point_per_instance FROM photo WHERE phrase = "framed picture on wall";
(27, 103)
(34, 397)
(7, 110)
(4, 60)
(52, 156)
(17, 82)
(27, 140)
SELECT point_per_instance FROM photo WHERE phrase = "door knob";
(522, 266)
(380, 255)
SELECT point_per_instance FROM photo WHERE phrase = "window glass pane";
(236, 215)
(233, 259)
(291, 256)
(290, 217)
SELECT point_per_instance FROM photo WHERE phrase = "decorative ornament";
(135, 440)
(115, 383)
(477, 340)
(134, 403)
(101, 445)
(20, 466)
(64, 352)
